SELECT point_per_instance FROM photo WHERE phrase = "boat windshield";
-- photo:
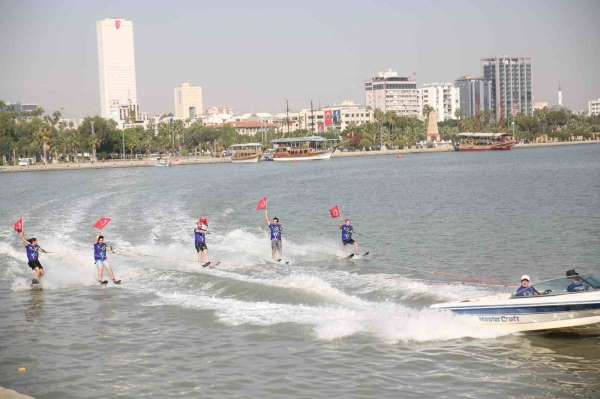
(560, 285)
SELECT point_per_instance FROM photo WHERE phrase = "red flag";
(19, 226)
(262, 204)
(101, 223)
(335, 212)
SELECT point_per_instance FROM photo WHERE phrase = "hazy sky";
(253, 54)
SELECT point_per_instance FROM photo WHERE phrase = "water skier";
(347, 239)
(275, 230)
(200, 241)
(33, 254)
(100, 261)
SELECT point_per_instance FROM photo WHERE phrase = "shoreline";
(214, 160)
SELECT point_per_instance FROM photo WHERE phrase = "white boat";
(302, 149)
(555, 310)
(246, 153)
(162, 162)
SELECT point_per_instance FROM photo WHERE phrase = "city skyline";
(324, 53)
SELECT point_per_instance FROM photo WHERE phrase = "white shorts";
(101, 263)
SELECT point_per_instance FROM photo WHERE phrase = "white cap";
(525, 277)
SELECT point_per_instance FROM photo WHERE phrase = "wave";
(390, 322)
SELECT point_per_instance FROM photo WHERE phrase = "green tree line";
(45, 137)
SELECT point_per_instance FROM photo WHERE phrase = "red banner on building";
(328, 117)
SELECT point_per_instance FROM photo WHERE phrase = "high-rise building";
(116, 67)
(475, 96)
(444, 98)
(389, 92)
(511, 85)
(188, 101)
(594, 107)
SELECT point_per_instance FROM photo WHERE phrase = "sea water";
(439, 227)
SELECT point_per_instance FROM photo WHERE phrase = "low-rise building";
(253, 127)
(539, 105)
(594, 107)
(333, 117)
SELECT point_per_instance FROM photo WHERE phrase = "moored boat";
(162, 162)
(556, 309)
(302, 149)
(246, 153)
(483, 142)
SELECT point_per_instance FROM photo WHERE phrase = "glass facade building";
(511, 85)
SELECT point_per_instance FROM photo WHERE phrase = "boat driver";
(525, 289)
(577, 283)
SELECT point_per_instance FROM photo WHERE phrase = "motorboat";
(556, 307)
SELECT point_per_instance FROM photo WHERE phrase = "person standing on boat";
(525, 289)
(200, 241)
(275, 230)
(347, 231)
(100, 261)
(33, 254)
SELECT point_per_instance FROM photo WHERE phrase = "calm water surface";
(321, 327)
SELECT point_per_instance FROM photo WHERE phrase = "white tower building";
(559, 96)
(116, 67)
(444, 98)
(188, 101)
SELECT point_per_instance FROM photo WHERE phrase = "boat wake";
(248, 289)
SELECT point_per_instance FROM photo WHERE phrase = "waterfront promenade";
(176, 161)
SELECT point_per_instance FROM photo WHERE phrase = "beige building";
(388, 91)
(594, 107)
(188, 101)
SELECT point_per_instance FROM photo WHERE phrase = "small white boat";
(162, 162)
(556, 309)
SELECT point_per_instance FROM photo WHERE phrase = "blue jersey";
(275, 230)
(347, 232)
(576, 286)
(199, 236)
(529, 291)
(100, 251)
(33, 252)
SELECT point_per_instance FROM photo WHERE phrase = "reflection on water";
(35, 305)
(576, 357)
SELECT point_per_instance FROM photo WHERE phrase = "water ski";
(350, 256)
(103, 282)
(117, 282)
(210, 265)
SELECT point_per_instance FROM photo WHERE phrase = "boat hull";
(278, 157)
(576, 313)
(249, 159)
(491, 147)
